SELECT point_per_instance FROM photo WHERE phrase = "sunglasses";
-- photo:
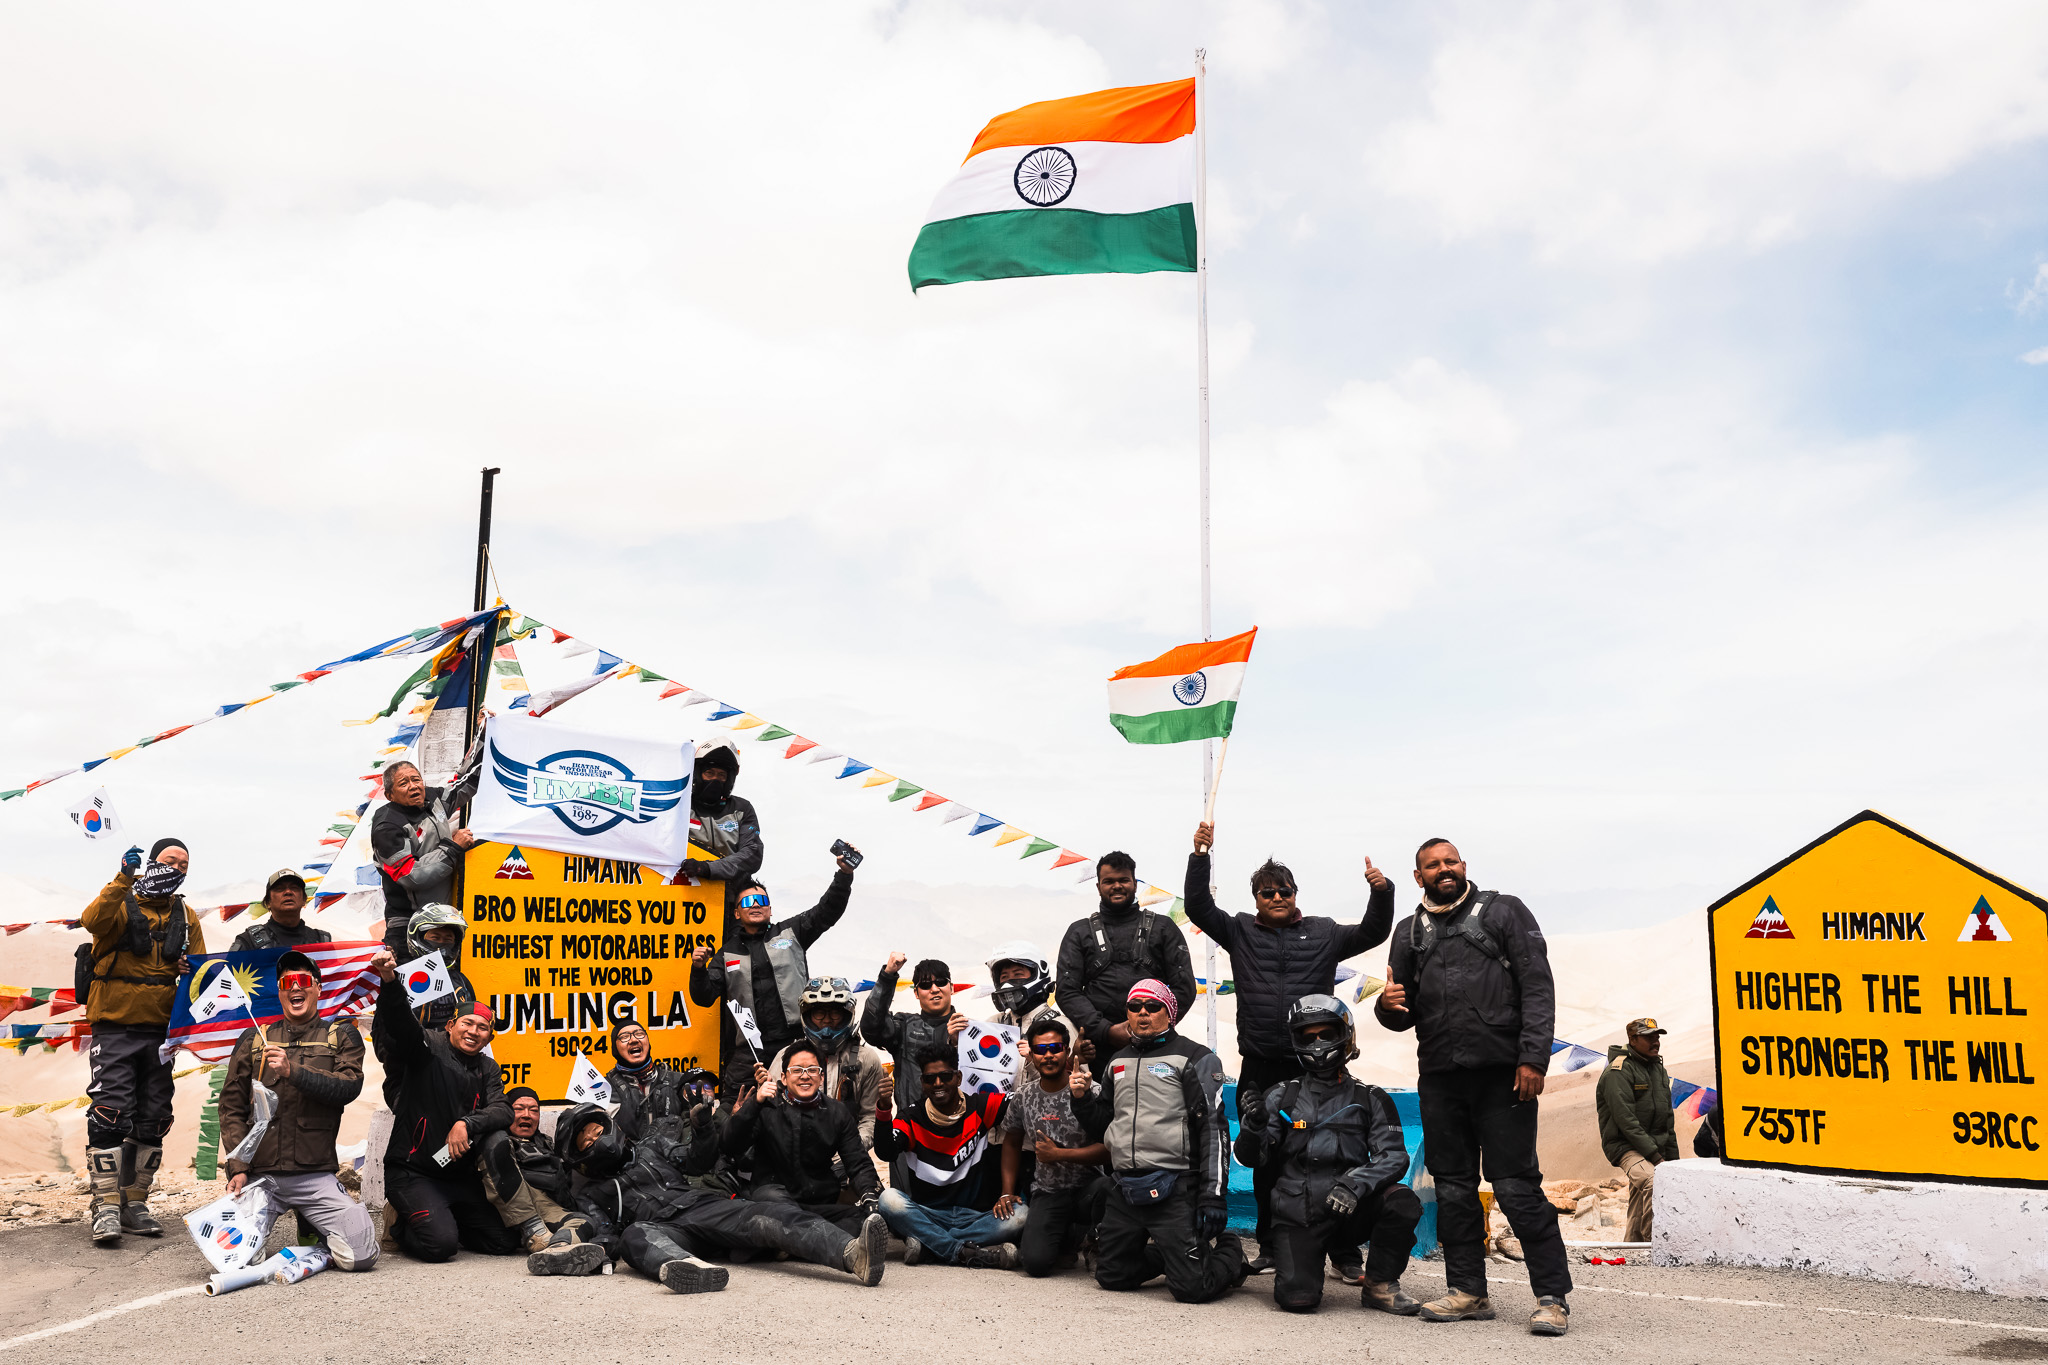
(1267, 893)
(297, 981)
(940, 1077)
(1145, 1007)
(1048, 1049)
(931, 985)
(754, 900)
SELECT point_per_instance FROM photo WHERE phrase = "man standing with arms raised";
(1470, 973)
(1277, 956)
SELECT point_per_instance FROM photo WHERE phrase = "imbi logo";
(588, 791)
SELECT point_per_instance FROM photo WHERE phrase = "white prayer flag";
(988, 1057)
(744, 1017)
(586, 1084)
(94, 817)
(223, 995)
(426, 979)
(547, 785)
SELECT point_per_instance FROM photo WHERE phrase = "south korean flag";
(586, 1084)
(988, 1058)
(426, 979)
(223, 995)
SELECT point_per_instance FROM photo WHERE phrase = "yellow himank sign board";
(1881, 1008)
(561, 945)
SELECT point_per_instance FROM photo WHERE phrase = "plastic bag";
(262, 1108)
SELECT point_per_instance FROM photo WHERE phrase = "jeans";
(943, 1231)
(1057, 1222)
(1466, 1113)
(1257, 1075)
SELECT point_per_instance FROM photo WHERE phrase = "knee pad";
(150, 1132)
(106, 1126)
(338, 1249)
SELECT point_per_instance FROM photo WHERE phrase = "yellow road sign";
(1881, 1008)
(561, 945)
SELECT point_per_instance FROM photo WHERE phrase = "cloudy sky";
(1627, 420)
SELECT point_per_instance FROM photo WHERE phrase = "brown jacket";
(326, 1074)
(145, 1001)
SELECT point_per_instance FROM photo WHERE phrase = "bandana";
(1151, 988)
(158, 880)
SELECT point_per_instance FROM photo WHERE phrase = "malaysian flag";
(347, 986)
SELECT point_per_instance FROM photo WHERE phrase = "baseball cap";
(1643, 1028)
(283, 874)
(297, 962)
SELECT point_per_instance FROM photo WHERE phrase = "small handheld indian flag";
(1189, 692)
(1096, 184)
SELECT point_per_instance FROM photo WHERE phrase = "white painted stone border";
(1986, 1238)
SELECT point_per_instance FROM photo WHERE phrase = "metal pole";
(1202, 442)
(483, 542)
(483, 652)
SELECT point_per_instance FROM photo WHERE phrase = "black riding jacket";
(1321, 1132)
(1270, 967)
(1478, 984)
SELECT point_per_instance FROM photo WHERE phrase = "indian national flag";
(1189, 692)
(1092, 185)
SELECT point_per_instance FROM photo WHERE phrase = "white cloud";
(1646, 132)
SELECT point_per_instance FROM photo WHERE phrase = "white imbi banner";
(547, 785)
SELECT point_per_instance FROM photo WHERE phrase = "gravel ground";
(780, 1313)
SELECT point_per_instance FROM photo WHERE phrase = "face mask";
(713, 793)
(158, 879)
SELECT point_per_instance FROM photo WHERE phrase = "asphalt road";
(480, 1308)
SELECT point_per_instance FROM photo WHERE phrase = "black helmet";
(708, 796)
(605, 1156)
(1019, 998)
(1321, 1054)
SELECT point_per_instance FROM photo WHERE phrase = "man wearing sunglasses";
(1160, 1114)
(1277, 956)
(315, 1069)
(764, 966)
(802, 1146)
(943, 1206)
(1067, 1180)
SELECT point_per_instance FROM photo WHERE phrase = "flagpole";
(1202, 449)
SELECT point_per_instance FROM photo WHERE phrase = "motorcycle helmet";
(827, 992)
(1321, 1055)
(435, 917)
(1019, 998)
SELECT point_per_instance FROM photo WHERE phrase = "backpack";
(1473, 928)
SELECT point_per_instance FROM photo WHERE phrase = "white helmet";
(1019, 998)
